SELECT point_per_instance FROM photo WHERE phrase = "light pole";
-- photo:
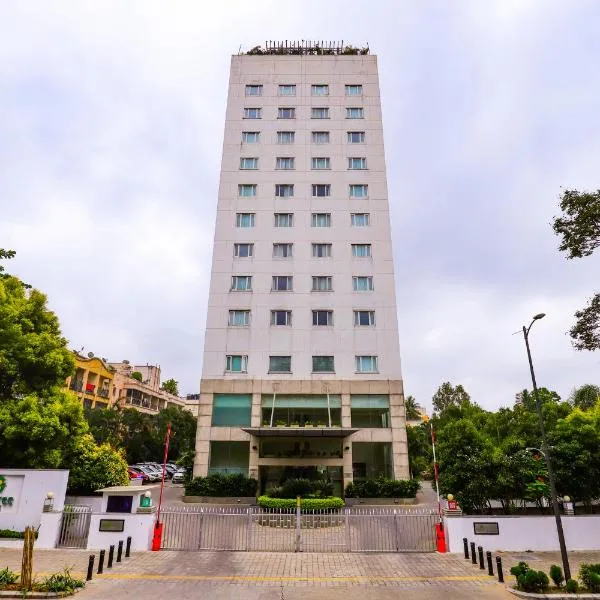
(546, 454)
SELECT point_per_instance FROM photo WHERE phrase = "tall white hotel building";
(301, 374)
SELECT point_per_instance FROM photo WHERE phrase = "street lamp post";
(546, 454)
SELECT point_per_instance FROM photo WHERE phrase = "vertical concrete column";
(256, 413)
(347, 472)
(346, 411)
(399, 440)
(253, 464)
(203, 435)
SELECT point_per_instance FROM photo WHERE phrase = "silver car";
(179, 476)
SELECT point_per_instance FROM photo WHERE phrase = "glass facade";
(300, 448)
(300, 409)
(229, 457)
(371, 460)
(274, 476)
(231, 410)
(370, 411)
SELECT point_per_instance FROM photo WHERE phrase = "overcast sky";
(111, 123)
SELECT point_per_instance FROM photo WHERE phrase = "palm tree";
(412, 408)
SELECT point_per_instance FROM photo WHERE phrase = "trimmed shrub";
(572, 586)
(302, 487)
(556, 575)
(519, 570)
(222, 485)
(383, 488)
(533, 581)
(305, 503)
(590, 576)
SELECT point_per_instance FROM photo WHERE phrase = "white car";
(179, 476)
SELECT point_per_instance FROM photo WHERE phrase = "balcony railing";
(103, 392)
(76, 385)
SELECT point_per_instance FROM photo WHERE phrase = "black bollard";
(119, 550)
(480, 552)
(90, 572)
(128, 548)
(499, 569)
(473, 555)
(111, 554)
(466, 548)
(488, 555)
(101, 562)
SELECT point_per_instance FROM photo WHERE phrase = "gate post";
(396, 540)
(298, 522)
(347, 529)
(248, 527)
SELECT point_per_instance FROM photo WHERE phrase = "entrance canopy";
(339, 432)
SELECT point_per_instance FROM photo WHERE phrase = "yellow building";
(93, 382)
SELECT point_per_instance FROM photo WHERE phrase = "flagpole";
(157, 536)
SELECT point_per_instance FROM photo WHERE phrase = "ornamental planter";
(223, 500)
(380, 501)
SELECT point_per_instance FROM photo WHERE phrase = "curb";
(520, 594)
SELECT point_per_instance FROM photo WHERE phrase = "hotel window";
(355, 112)
(321, 219)
(321, 162)
(282, 250)
(252, 113)
(361, 250)
(250, 137)
(239, 318)
(362, 283)
(319, 113)
(364, 318)
(282, 283)
(286, 137)
(357, 163)
(287, 89)
(284, 162)
(319, 90)
(244, 220)
(322, 283)
(286, 113)
(360, 219)
(281, 318)
(320, 137)
(366, 364)
(236, 363)
(353, 90)
(321, 250)
(246, 190)
(356, 137)
(254, 90)
(323, 364)
(243, 250)
(241, 283)
(370, 411)
(248, 163)
(284, 220)
(359, 190)
(322, 318)
(280, 364)
(284, 190)
(231, 410)
(321, 190)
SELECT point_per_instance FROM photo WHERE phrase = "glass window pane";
(229, 458)
(287, 90)
(280, 364)
(230, 410)
(321, 220)
(322, 364)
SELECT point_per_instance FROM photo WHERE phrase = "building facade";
(93, 381)
(301, 374)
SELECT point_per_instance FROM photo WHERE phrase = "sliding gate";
(255, 529)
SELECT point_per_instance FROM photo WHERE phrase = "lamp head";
(539, 316)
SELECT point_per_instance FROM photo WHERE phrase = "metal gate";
(255, 529)
(74, 526)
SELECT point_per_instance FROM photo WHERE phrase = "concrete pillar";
(256, 411)
(253, 464)
(346, 411)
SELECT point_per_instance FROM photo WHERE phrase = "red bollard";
(157, 536)
(440, 537)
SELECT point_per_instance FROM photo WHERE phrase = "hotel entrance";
(272, 476)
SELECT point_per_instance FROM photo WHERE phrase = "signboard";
(452, 505)
(484, 528)
(112, 525)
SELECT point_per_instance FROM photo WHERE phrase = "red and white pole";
(158, 526)
(439, 528)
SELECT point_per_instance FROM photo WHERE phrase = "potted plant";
(266, 423)
(295, 424)
(308, 424)
(281, 424)
(320, 424)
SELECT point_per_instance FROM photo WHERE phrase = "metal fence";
(256, 529)
(74, 526)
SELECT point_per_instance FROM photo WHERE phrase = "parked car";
(135, 473)
(179, 476)
(153, 475)
(171, 469)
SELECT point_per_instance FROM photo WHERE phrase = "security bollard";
(119, 550)
(480, 552)
(473, 555)
(499, 569)
(128, 548)
(466, 548)
(111, 554)
(101, 562)
(488, 555)
(90, 572)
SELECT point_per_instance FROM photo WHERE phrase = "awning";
(330, 432)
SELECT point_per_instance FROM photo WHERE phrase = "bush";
(61, 582)
(519, 570)
(305, 503)
(533, 581)
(7, 577)
(572, 586)
(12, 535)
(383, 488)
(222, 485)
(302, 487)
(556, 575)
(590, 576)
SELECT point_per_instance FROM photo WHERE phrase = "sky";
(111, 125)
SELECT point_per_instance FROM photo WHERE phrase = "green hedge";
(221, 485)
(13, 535)
(305, 503)
(383, 488)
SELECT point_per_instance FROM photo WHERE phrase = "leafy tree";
(585, 396)
(420, 453)
(33, 355)
(447, 396)
(412, 408)
(137, 375)
(7, 255)
(527, 398)
(171, 386)
(579, 230)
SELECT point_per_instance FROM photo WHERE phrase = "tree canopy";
(171, 386)
(579, 230)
